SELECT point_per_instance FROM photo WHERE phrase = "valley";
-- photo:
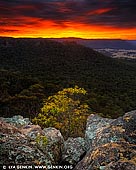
(33, 69)
(118, 53)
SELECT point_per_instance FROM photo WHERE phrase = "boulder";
(29, 144)
(95, 123)
(16, 148)
(18, 121)
(74, 150)
(55, 144)
(113, 146)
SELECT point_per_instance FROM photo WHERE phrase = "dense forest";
(31, 70)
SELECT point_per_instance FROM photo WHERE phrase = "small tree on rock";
(65, 112)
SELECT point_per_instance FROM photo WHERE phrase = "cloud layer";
(64, 13)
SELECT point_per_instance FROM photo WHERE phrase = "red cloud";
(99, 11)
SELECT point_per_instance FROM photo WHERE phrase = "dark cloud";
(118, 13)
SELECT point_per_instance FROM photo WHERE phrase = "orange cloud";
(99, 11)
(49, 28)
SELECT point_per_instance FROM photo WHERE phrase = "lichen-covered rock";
(95, 124)
(15, 148)
(29, 144)
(74, 150)
(54, 146)
(110, 144)
(6, 128)
(32, 131)
(121, 165)
(113, 147)
(105, 155)
(18, 121)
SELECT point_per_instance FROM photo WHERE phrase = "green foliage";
(65, 112)
(41, 140)
(20, 94)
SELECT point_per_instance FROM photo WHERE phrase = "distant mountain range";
(92, 43)
(102, 43)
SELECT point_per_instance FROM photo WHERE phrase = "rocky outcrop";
(94, 125)
(55, 143)
(75, 148)
(17, 121)
(24, 143)
(112, 144)
(109, 144)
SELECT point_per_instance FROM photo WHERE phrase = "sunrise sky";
(68, 18)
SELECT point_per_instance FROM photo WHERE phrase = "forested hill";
(32, 69)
